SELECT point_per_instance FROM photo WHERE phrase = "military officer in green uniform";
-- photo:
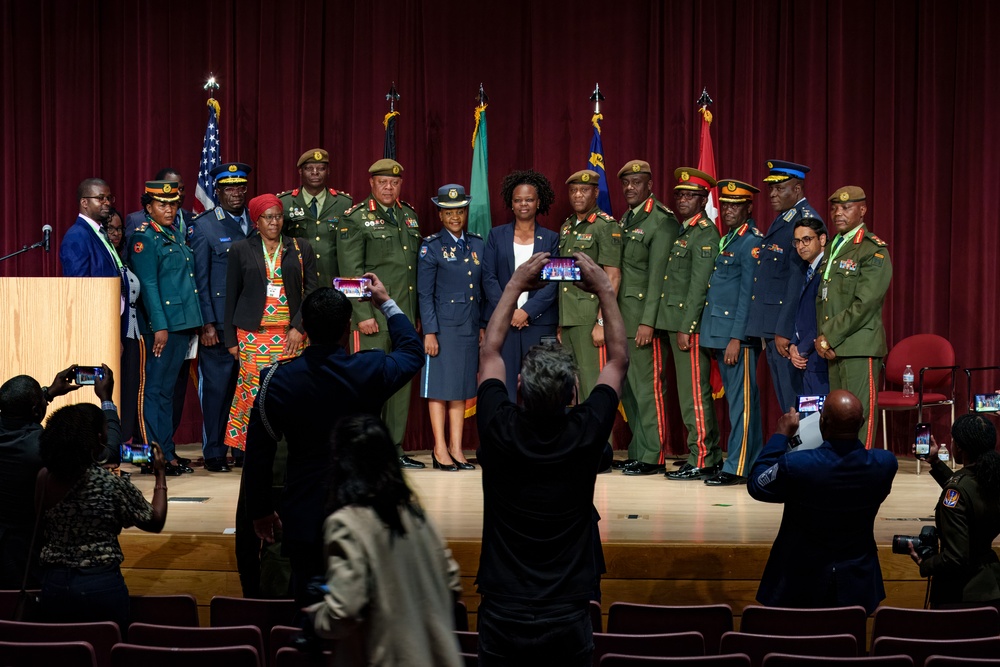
(169, 313)
(595, 233)
(313, 212)
(856, 273)
(381, 234)
(682, 300)
(648, 231)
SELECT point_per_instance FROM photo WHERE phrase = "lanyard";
(730, 237)
(838, 244)
(271, 260)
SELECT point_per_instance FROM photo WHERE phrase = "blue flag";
(596, 162)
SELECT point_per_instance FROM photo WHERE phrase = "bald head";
(842, 416)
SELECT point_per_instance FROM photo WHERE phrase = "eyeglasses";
(271, 218)
(110, 199)
(114, 230)
(234, 189)
(687, 195)
(805, 240)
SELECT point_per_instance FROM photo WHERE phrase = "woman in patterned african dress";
(267, 279)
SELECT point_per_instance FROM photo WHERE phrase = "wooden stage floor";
(665, 542)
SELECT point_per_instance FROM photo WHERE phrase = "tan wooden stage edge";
(665, 542)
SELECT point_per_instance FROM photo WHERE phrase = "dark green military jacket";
(648, 237)
(855, 277)
(321, 231)
(168, 295)
(966, 569)
(368, 241)
(688, 271)
(599, 237)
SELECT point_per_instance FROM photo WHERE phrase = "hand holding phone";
(922, 446)
(354, 288)
(560, 269)
(88, 374)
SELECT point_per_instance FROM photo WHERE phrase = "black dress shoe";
(640, 468)
(618, 464)
(725, 479)
(171, 470)
(447, 467)
(464, 465)
(406, 462)
(217, 465)
(183, 461)
(688, 471)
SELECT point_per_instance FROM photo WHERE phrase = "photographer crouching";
(966, 568)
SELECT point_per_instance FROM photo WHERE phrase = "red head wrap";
(261, 203)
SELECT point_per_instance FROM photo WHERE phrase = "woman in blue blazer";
(527, 194)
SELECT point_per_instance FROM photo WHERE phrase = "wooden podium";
(49, 324)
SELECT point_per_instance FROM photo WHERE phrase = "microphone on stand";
(46, 231)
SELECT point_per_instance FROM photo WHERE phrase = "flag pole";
(389, 123)
(595, 161)
(211, 148)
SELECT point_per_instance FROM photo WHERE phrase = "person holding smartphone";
(966, 568)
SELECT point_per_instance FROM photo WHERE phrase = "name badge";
(824, 292)
(225, 239)
(273, 291)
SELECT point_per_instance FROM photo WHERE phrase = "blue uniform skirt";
(451, 375)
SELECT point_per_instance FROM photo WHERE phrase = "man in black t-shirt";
(538, 563)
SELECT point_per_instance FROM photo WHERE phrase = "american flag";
(210, 151)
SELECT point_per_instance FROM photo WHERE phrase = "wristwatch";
(45, 393)
(823, 344)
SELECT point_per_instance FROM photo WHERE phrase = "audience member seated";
(540, 559)
(23, 403)
(391, 582)
(966, 569)
(84, 508)
(825, 553)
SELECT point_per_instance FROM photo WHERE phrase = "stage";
(665, 542)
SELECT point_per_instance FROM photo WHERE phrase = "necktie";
(810, 273)
(627, 218)
(242, 223)
(314, 208)
(391, 215)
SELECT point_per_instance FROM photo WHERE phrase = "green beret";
(386, 167)
(848, 193)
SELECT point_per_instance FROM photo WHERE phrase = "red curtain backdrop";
(892, 96)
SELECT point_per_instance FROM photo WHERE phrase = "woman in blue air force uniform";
(449, 272)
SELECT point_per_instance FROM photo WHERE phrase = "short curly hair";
(528, 177)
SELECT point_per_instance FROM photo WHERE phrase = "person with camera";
(83, 507)
(299, 401)
(967, 516)
(825, 553)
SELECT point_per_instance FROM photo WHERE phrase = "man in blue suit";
(85, 251)
(810, 240)
(300, 400)
(825, 553)
(214, 232)
(778, 277)
(723, 329)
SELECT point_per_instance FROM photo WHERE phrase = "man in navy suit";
(809, 240)
(85, 251)
(214, 232)
(135, 219)
(301, 400)
(825, 553)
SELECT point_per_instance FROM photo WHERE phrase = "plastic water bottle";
(943, 453)
(908, 381)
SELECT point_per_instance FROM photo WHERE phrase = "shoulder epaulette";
(287, 192)
(705, 222)
(354, 208)
(757, 232)
(142, 227)
(663, 207)
(877, 240)
(604, 216)
(432, 237)
(340, 193)
(200, 215)
(406, 204)
(474, 235)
